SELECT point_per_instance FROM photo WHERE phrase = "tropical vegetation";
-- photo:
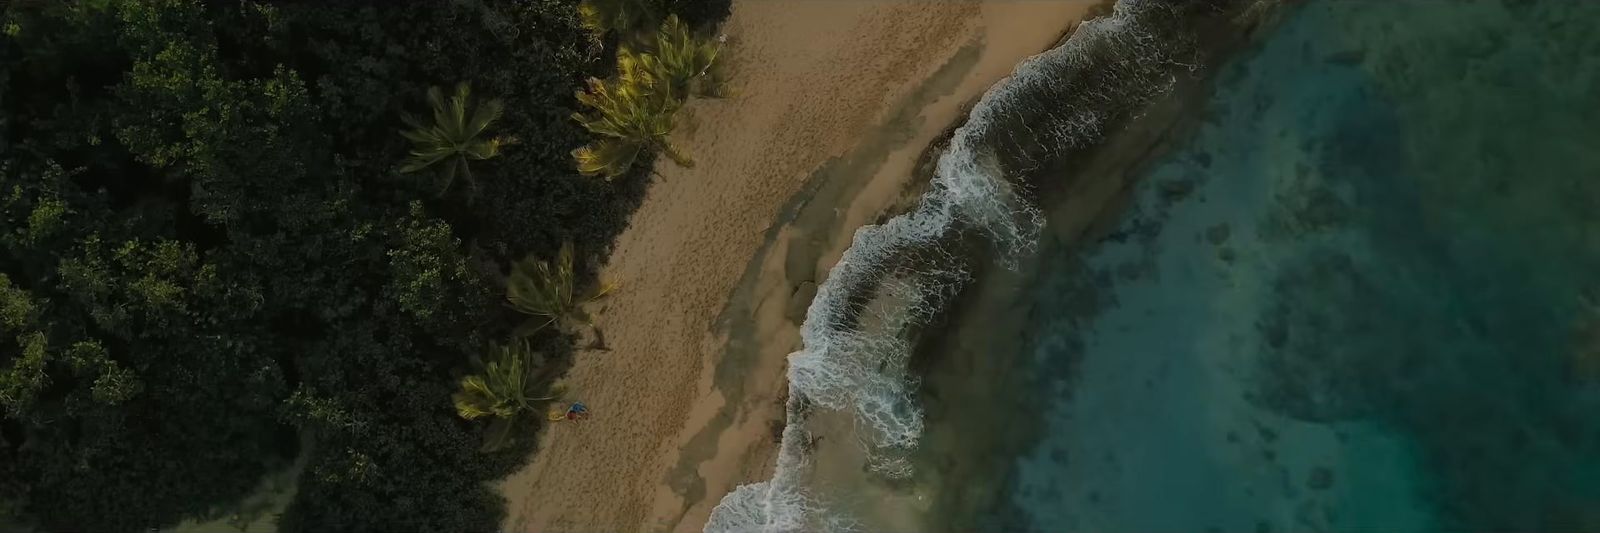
(455, 136)
(685, 62)
(633, 113)
(635, 110)
(504, 390)
(212, 267)
(631, 18)
(544, 290)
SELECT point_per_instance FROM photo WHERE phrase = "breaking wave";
(896, 275)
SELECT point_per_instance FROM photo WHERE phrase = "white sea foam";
(854, 356)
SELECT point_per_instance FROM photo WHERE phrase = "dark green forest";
(211, 262)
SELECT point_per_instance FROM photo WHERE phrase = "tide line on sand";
(671, 433)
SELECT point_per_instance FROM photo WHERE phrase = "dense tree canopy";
(210, 263)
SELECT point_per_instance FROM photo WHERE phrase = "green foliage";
(633, 19)
(544, 290)
(208, 268)
(503, 389)
(452, 138)
(504, 386)
(684, 62)
(634, 112)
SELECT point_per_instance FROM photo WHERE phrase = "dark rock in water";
(1204, 159)
(1129, 271)
(1321, 478)
(1267, 434)
(1263, 527)
(1218, 234)
(1324, 209)
(800, 301)
(1274, 330)
(1174, 190)
(1347, 57)
(1060, 456)
(1225, 254)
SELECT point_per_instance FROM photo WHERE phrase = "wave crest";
(896, 275)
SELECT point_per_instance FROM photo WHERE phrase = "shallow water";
(1363, 295)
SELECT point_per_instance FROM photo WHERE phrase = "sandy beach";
(834, 103)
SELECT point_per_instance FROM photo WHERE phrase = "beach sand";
(835, 101)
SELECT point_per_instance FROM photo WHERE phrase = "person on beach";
(578, 411)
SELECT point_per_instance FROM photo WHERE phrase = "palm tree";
(545, 291)
(634, 112)
(684, 61)
(633, 19)
(503, 390)
(454, 136)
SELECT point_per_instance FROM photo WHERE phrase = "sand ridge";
(834, 101)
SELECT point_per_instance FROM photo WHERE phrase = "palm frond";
(452, 137)
(674, 153)
(423, 159)
(540, 289)
(503, 388)
(684, 61)
(634, 19)
(633, 108)
(485, 149)
(604, 289)
(544, 290)
(610, 157)
(485, 114)
(476, 399)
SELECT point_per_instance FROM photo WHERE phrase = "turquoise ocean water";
(1363, 295)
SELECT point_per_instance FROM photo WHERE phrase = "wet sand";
(835, 102)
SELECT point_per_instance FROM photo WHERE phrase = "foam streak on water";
(854, 356)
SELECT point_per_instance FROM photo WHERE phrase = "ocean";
(1355, 286)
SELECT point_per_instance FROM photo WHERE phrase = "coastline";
(834, 105)
(1084, 196)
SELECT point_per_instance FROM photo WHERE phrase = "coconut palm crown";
(684, 61)
(545, 291)
(502, 389)
(455, 136)
(632, 112)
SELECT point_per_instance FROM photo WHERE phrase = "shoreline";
(1084, 195)
(716, 265)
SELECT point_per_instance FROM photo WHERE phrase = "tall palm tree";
(454, 136)
(546, 291)
(685, 62)
(633, 19)
(634, 112)
(503, 389)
